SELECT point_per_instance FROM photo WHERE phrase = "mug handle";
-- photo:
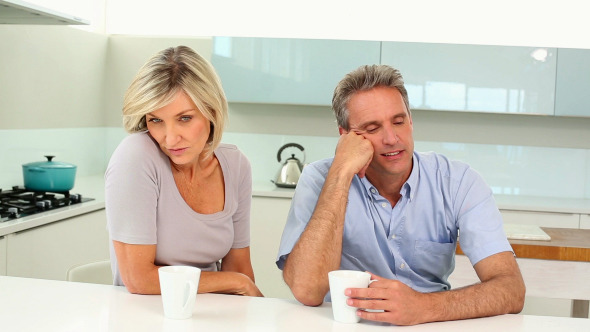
(192, 294)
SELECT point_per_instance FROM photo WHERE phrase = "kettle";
(290, 170)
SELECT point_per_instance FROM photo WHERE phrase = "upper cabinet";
(476, 78)
(573, 82)
(21, 12)
(287, 71)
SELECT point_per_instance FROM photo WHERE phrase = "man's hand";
(501, 291)
(398, 303)
(353, 152)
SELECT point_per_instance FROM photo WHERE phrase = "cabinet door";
(478, 78)
(573, 82)
(585, 221)
(287, 71)
(2, 256)
(268, 218)
(542, 219)
(49, 251)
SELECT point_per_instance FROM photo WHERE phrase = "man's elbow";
(304, 291)
(307, 296)
(517, 298)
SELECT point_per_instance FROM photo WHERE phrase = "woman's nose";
(172, 135)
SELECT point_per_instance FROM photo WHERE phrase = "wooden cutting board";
(525, 232)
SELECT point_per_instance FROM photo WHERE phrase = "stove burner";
(20, 202)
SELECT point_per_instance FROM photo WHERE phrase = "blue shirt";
(415, 241)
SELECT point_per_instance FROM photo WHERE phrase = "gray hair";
(162, 77)
(365, 78)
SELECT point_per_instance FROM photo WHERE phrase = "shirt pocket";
(432, 260)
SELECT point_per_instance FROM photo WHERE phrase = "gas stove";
(20, 202)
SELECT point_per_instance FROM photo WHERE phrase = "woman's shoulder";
(137, 146)
(231, 153)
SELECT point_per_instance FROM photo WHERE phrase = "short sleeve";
(131, 190)
(241, 218)
(479, 220)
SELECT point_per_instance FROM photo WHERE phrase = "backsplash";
(83, 147)
(509, 170)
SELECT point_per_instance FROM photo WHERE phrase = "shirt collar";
(406, 190)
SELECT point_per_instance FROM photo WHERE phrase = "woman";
(174, 194)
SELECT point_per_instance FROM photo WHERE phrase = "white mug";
(179, 285)
(340, 280)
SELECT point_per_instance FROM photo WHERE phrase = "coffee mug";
(179, 285)
(340, 280)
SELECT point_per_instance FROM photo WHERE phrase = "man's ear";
(342, 131)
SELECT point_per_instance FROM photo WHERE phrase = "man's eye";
(371, 130)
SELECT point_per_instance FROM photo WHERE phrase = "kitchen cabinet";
(585, 221)
(573, 82)
(475, 78)
(542, 219)
(267, 220)
(287, 71)
(22, 12)
(48, 251)
(2, 256)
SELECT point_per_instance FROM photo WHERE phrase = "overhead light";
(540, 54)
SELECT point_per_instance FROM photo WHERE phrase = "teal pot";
(49, 175)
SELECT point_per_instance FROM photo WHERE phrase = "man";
(380, 207)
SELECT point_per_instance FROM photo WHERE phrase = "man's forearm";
(501, 295)
(319, 248)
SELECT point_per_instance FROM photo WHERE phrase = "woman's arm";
(140, 274)
(237, 263)
(137, 268)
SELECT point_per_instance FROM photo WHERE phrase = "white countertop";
(505, 202)
(50, 305)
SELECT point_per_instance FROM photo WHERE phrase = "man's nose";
(390, 135)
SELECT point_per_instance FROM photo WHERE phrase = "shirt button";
(393, 236)
(402, 266)
(383, 204)
(373, 190)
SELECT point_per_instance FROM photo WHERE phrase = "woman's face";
(180, 129)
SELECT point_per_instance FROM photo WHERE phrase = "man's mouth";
(391, 154)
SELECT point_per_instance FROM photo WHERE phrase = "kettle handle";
(289, 145)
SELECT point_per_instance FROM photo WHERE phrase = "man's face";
(380, 116)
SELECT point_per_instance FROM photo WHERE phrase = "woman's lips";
(177, 152)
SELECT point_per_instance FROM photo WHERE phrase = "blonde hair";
(166, 73)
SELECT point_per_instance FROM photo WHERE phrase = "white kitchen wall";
(80, 121)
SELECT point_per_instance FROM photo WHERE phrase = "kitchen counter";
(93, 187)
(49, 305)
(90, 187)
(505, 202)
(566, 244)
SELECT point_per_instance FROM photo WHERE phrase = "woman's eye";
(154, 120)
(185, 118)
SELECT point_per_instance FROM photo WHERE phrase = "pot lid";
(50, 164)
